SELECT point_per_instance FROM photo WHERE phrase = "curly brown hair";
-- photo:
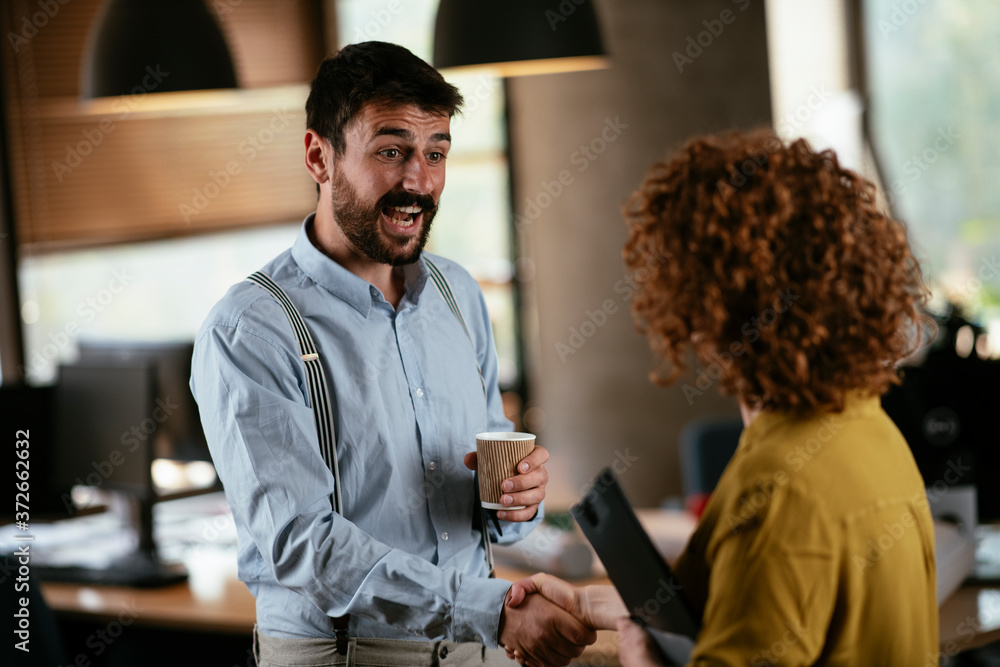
(778, 267)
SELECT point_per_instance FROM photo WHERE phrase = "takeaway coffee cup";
(497, 456)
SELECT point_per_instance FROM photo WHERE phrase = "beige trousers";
(361, 652)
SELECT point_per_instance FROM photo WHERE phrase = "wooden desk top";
(970, 618)
(214, 600)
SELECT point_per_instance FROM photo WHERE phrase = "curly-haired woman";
(788, 281)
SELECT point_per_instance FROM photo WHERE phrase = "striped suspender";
(319, 394)
(449, 298)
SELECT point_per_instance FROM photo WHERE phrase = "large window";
(935, 100)
(473, 225)
(162, 290)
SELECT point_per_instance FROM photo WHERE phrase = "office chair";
(706, 445)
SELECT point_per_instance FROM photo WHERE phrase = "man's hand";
(598, 607)
(540, 633)
(526, 488)
(636, 648)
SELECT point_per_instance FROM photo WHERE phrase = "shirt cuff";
(514, 531)
(476, 616)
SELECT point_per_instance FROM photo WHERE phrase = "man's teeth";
(404, 214)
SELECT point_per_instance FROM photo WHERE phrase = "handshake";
(547, 621)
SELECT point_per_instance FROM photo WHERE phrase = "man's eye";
(435, 157)
(391, 153)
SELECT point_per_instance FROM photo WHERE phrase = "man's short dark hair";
(373, 72)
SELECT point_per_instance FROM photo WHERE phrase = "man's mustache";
(426, 202)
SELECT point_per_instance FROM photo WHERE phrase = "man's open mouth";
(402, 216)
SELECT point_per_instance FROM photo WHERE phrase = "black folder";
(645, 582)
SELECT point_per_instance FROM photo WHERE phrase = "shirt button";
(444, 536)
(432, 465)
(419, 393)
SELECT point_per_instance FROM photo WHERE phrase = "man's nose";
(417, 177)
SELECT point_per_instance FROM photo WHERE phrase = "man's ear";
(319, 157)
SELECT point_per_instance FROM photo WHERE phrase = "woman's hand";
(636, 648)
(599, 607)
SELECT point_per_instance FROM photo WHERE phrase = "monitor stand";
(141, 568)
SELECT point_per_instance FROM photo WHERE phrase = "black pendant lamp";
(518, 37)
(155, 46)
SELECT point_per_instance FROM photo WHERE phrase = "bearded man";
(403, 340)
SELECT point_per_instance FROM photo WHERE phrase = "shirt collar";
(353, 290)
(856, 404)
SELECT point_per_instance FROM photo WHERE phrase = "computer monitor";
(106, 420)
(179, 435)
(98, 408)
(946, 409)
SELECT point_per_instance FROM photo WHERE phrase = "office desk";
(215, 601)
(970, 618)
(212, 600)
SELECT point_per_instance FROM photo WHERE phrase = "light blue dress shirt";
(404, 560)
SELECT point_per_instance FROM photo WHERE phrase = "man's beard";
(362, 225)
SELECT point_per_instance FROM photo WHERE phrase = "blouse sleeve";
(773, 584)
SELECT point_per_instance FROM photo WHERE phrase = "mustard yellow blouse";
(816, 548)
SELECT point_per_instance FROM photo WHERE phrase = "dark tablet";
(643, 579)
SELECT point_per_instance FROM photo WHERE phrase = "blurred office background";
(127, 225)
(126, 217)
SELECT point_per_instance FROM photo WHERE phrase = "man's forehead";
(406, 121)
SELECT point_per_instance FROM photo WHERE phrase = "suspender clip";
(341, 625)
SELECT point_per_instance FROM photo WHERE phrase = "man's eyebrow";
(394, 132)
(403, 133)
